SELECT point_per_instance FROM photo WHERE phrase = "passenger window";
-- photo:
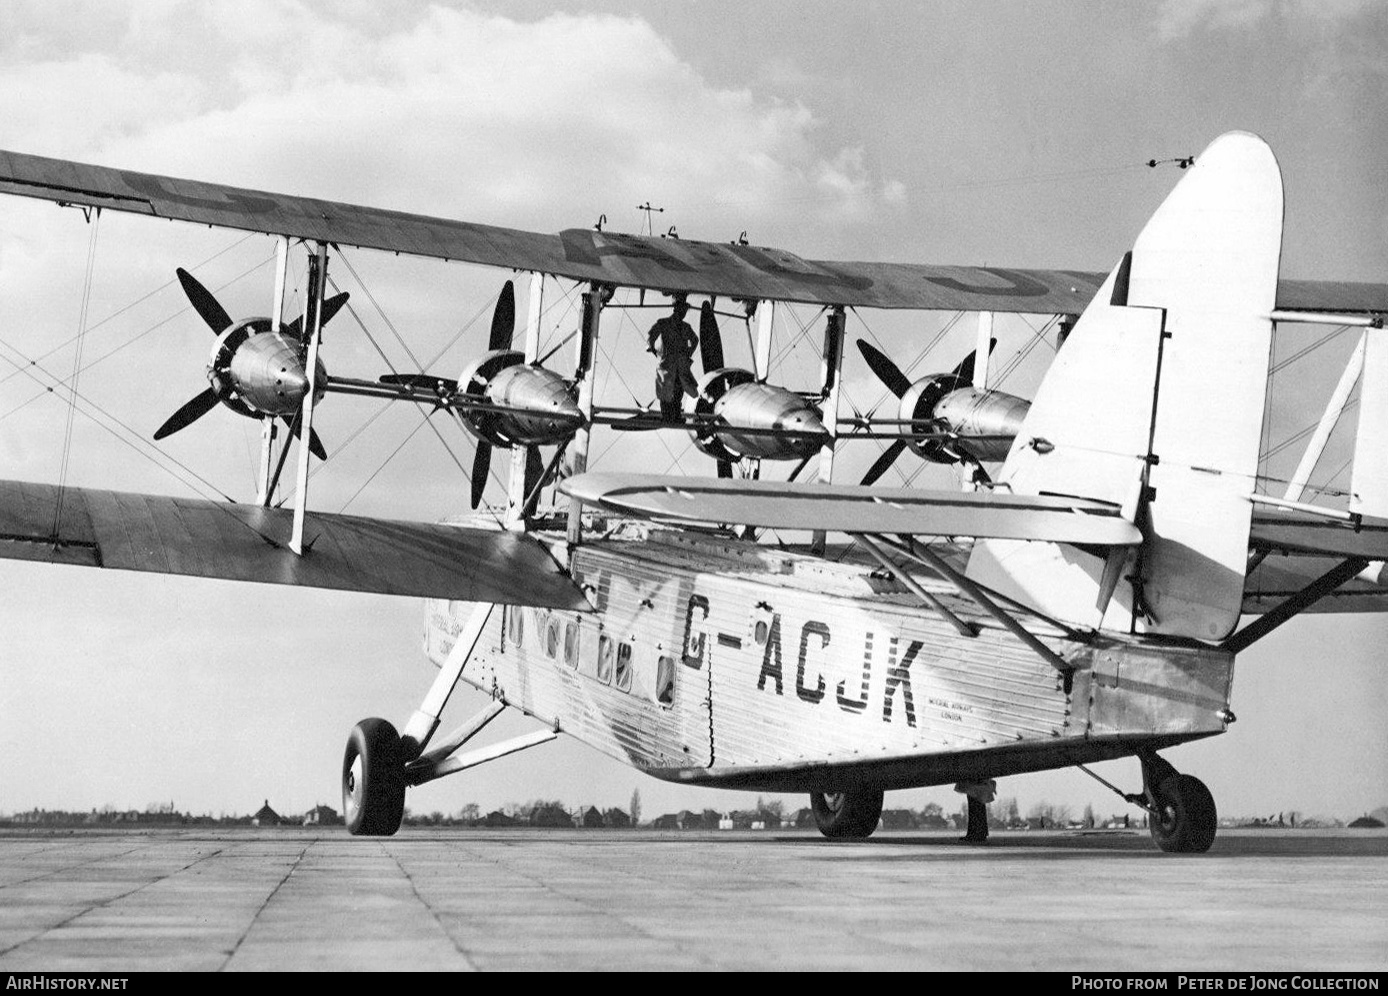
(624, 666)
(665, 681)
(571, 643)
(605, 659)
(552, 638)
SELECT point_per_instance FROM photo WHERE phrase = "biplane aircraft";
(1079, 600)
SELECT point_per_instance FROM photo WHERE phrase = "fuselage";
(714, 661)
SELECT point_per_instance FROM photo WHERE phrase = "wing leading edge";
(870, 510)
(672, 265)
(156, 533)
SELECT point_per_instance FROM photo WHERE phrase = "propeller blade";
(188, 414)
(331, 306)
(481, 466)
(710, 340)
(887, 371)
(204, 303)
(965, 370)
(534, 471)
(884, 462)
(503, 318)
(315, 445)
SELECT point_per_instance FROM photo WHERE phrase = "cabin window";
(624, 666)
(552, 638)
(571, 643)
(665, 681)
(605, 654)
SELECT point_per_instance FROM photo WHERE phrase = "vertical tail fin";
(1156, 403)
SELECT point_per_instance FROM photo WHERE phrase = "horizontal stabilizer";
(160, 534)
(1306, 534)
(782, 505)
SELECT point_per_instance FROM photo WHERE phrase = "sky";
(1001, 134)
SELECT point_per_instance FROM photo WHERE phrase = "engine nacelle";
(256, 371)
(736, 401)
(947, 403)
(533, 406)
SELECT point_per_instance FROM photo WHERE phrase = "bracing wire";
(76, 369)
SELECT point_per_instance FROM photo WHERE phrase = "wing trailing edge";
(199, 538)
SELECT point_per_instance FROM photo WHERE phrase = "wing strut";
(313, 324)
(924, 555)
(593, 302)
(267, 423)
(1305, 598)
(831, 381)
(963, 627)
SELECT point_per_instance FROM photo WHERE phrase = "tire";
(850, 815)
(373, 780)
(1185, 820)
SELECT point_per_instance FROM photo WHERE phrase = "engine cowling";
(256, 371)
(539, 406)
(784, 426)
(983, 423)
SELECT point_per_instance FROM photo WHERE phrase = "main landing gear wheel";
(850, 815)
(1184, 820)
(373, 780)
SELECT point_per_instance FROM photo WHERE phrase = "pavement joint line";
(635, 926)
(457, 945)
(268, 898)
(112, 899)
(65, 868)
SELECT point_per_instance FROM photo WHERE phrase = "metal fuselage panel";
(751, 663)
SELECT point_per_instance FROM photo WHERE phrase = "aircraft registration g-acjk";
(1080, 600)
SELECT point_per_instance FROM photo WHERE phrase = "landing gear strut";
(850, 815)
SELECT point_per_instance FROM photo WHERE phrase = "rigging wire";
(129, 342)
(76, 369)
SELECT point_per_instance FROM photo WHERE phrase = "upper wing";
(782, 505)
(673, 265)
(209, 539)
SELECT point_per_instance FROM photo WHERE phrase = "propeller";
(503, 318)
(481, 463)
(331, 306)
(188, 414)
(887, 371)
(204, 303)
(710, 340)
(217, 319)
(898, 383)
(965, 370)
(315, 445)
(884, 462)
(503, 328)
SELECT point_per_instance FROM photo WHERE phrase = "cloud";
(441, 111)
(1178, 19)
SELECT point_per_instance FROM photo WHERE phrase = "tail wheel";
(847, 815)
(373, 780)
(1185, 819)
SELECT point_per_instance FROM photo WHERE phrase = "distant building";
(551, 816)
(266, 817)
(617, 819)
(496, 818)
(592, 818)
(322, 816)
